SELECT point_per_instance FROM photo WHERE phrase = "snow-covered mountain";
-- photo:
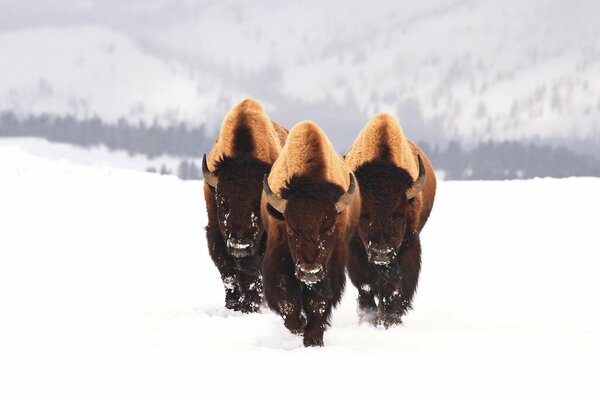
(107, 291)
(95, 71)
(464, 69)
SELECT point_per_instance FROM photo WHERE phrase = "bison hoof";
(233, 305)
(295, 325)
(250, 307)
(367, 315)
(313, 340)
(389, 320)
(233, 301)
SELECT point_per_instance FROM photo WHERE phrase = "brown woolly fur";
(383, 138)
(248, 131)
(247, 146)
(308, 151)
(385, 255)
(307, 245)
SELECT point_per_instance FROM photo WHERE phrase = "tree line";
(486, 161)
(150, 140)
(510, 160)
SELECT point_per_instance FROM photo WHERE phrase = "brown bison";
(397, 191)
(246, 147)
(310, 208)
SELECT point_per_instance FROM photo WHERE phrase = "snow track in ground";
(107, 291)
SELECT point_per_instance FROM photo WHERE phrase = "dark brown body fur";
(310, 231)
(389, 218)
(233, 209)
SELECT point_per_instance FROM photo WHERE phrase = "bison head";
(236, 185)
(309, 208)
(387, 193)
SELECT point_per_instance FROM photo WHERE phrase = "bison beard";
(239, 183)
(305, 307)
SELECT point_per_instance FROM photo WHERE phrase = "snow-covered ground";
(107, 291)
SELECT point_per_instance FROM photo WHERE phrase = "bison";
(245, 149)
(398, 186)
(310, 207)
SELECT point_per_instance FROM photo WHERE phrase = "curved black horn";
(419, 183)
(274, 200)
(345, 199)
(209, 177)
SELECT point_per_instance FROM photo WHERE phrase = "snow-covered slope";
(94, 71)
(465, 69)
(450, 69)
(107, 291)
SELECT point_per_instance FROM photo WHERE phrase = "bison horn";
(419, 183)
(345, 199)
(209, 177)
(275, 201)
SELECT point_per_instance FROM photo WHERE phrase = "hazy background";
(492, 90)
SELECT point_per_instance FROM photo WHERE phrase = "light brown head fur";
(383, 138)
(248, 131)
(308, 151)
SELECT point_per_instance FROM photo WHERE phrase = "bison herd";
(288, 216)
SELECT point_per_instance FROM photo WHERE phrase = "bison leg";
(393, 304)
(362, 276)
(251, 291)
(282, 290)
(317, 305)
(226, 267)
(397, 297)
(410, 267)
(367, 309)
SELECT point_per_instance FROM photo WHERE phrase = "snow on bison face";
(237, 187)
(387, 193)
(309, 209)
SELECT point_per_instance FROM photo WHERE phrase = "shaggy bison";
(244, 151)
(310, 208)
(397, 192)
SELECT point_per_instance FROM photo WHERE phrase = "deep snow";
(107, 291)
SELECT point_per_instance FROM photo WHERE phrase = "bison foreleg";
(392, 304)
(367, 308)
(283, 292)
(397, 296)
(251, 291)
(362, 276)
(226, 266)
(410, 267)
(317, 305)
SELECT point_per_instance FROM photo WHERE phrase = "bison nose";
(381, 255)
(310, 273)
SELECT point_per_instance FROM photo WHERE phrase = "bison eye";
(330, 231)
(289, 231)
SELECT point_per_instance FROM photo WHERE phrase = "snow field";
(107, 291)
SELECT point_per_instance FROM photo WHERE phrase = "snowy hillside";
(450, 69)
(107, 291)
(466, 69)
(89, 71)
